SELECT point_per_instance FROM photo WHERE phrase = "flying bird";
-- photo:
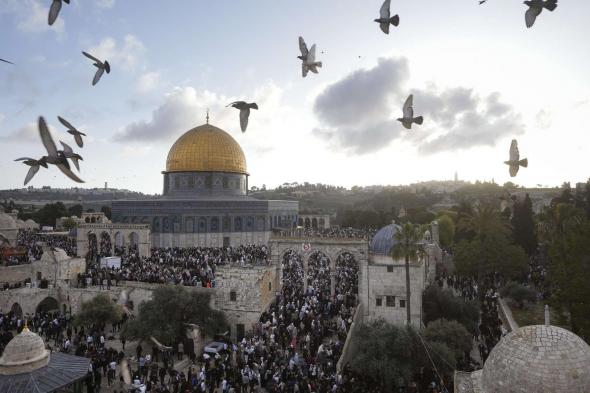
(6, 61)
(69, 153)
(102, 67)
(535, 8)
(482, 1)
(72, 130)
(55, 157)
(54, 10)
(384, 19)
(515, 162)
(244, 108)
(409, 118)
(307, 58)
(34, 164)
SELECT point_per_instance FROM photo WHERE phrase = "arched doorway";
(347, 278)
(119, 239)
(293, 274)
(307, 223)
(16, 310)
(48, 304)
(318, 272)
(92, 247)
(314, 223)
(106, 245)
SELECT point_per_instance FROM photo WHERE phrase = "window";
(402, 303)
(233, 296)
(390, 301)
(270, 286)
(389, 269)
(225, 183)
(378, 302)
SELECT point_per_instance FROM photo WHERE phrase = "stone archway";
(119, 239)
(49, 304)
(318, 272)
(16, 309)
(106, 246)
(293, 272)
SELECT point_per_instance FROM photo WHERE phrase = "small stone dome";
(24, 353)
(7, 222)
(540, 359)
(383, 241)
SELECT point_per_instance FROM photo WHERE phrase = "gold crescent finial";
(26, 327)
(207, 115)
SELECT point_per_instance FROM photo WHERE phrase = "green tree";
(566, 230)
(69, 223)
(107, 211)
(171, 308)
(446, 230)
(49, 213)
(391, 355)
(519, 293)
(443, 304)
(452, 334)
(100, 309)
(487, 248)
(407, 246)
(523, 225)
(76, 210)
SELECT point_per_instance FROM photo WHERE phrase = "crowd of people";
(191, 266)
(332, 232)
(33, 241)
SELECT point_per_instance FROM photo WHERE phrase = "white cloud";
(105, 3)
(31, 16)
(29, 133)
(148, 81)
(125, 55)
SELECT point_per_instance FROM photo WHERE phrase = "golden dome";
(206, 149)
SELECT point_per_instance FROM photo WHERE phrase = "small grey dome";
(383, 240)
(540, 359)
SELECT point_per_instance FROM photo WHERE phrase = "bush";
(519, 293)
(442, 304)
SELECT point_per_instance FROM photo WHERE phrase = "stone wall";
(43, 269)
(253, 289)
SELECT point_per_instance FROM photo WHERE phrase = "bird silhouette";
(34, 166)
(384, 19)
(102, 67)
(6, 61)
(514, 163)
(55, 157)
(69, 153)
(73, 131)
(307, 58)
(482, 2)
(535, 8)
(244, 108)
(408, 111)
(54, 10)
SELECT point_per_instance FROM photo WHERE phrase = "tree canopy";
(171, 308)
(442, 304)
(446, 230)
(391, 355)
(98, 310)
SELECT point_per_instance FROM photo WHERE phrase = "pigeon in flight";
(69, 153)
(72, 130)
(55, 157)
(34, 164)
(515, 162)
(244, 108)
(384, 19)
(102, 67)
(535, 8)
(307, 58)
(409, 118)
(6, 61)
(54, 10)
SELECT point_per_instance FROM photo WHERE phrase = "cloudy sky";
(479, 77)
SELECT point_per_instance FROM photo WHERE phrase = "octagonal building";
(205, 198)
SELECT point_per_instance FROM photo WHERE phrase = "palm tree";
(482, 221)
(407, 245)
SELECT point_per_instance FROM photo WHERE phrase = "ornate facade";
(205, 198)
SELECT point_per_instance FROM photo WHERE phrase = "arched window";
(238, 223)
(202, 224)
(214, 224)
